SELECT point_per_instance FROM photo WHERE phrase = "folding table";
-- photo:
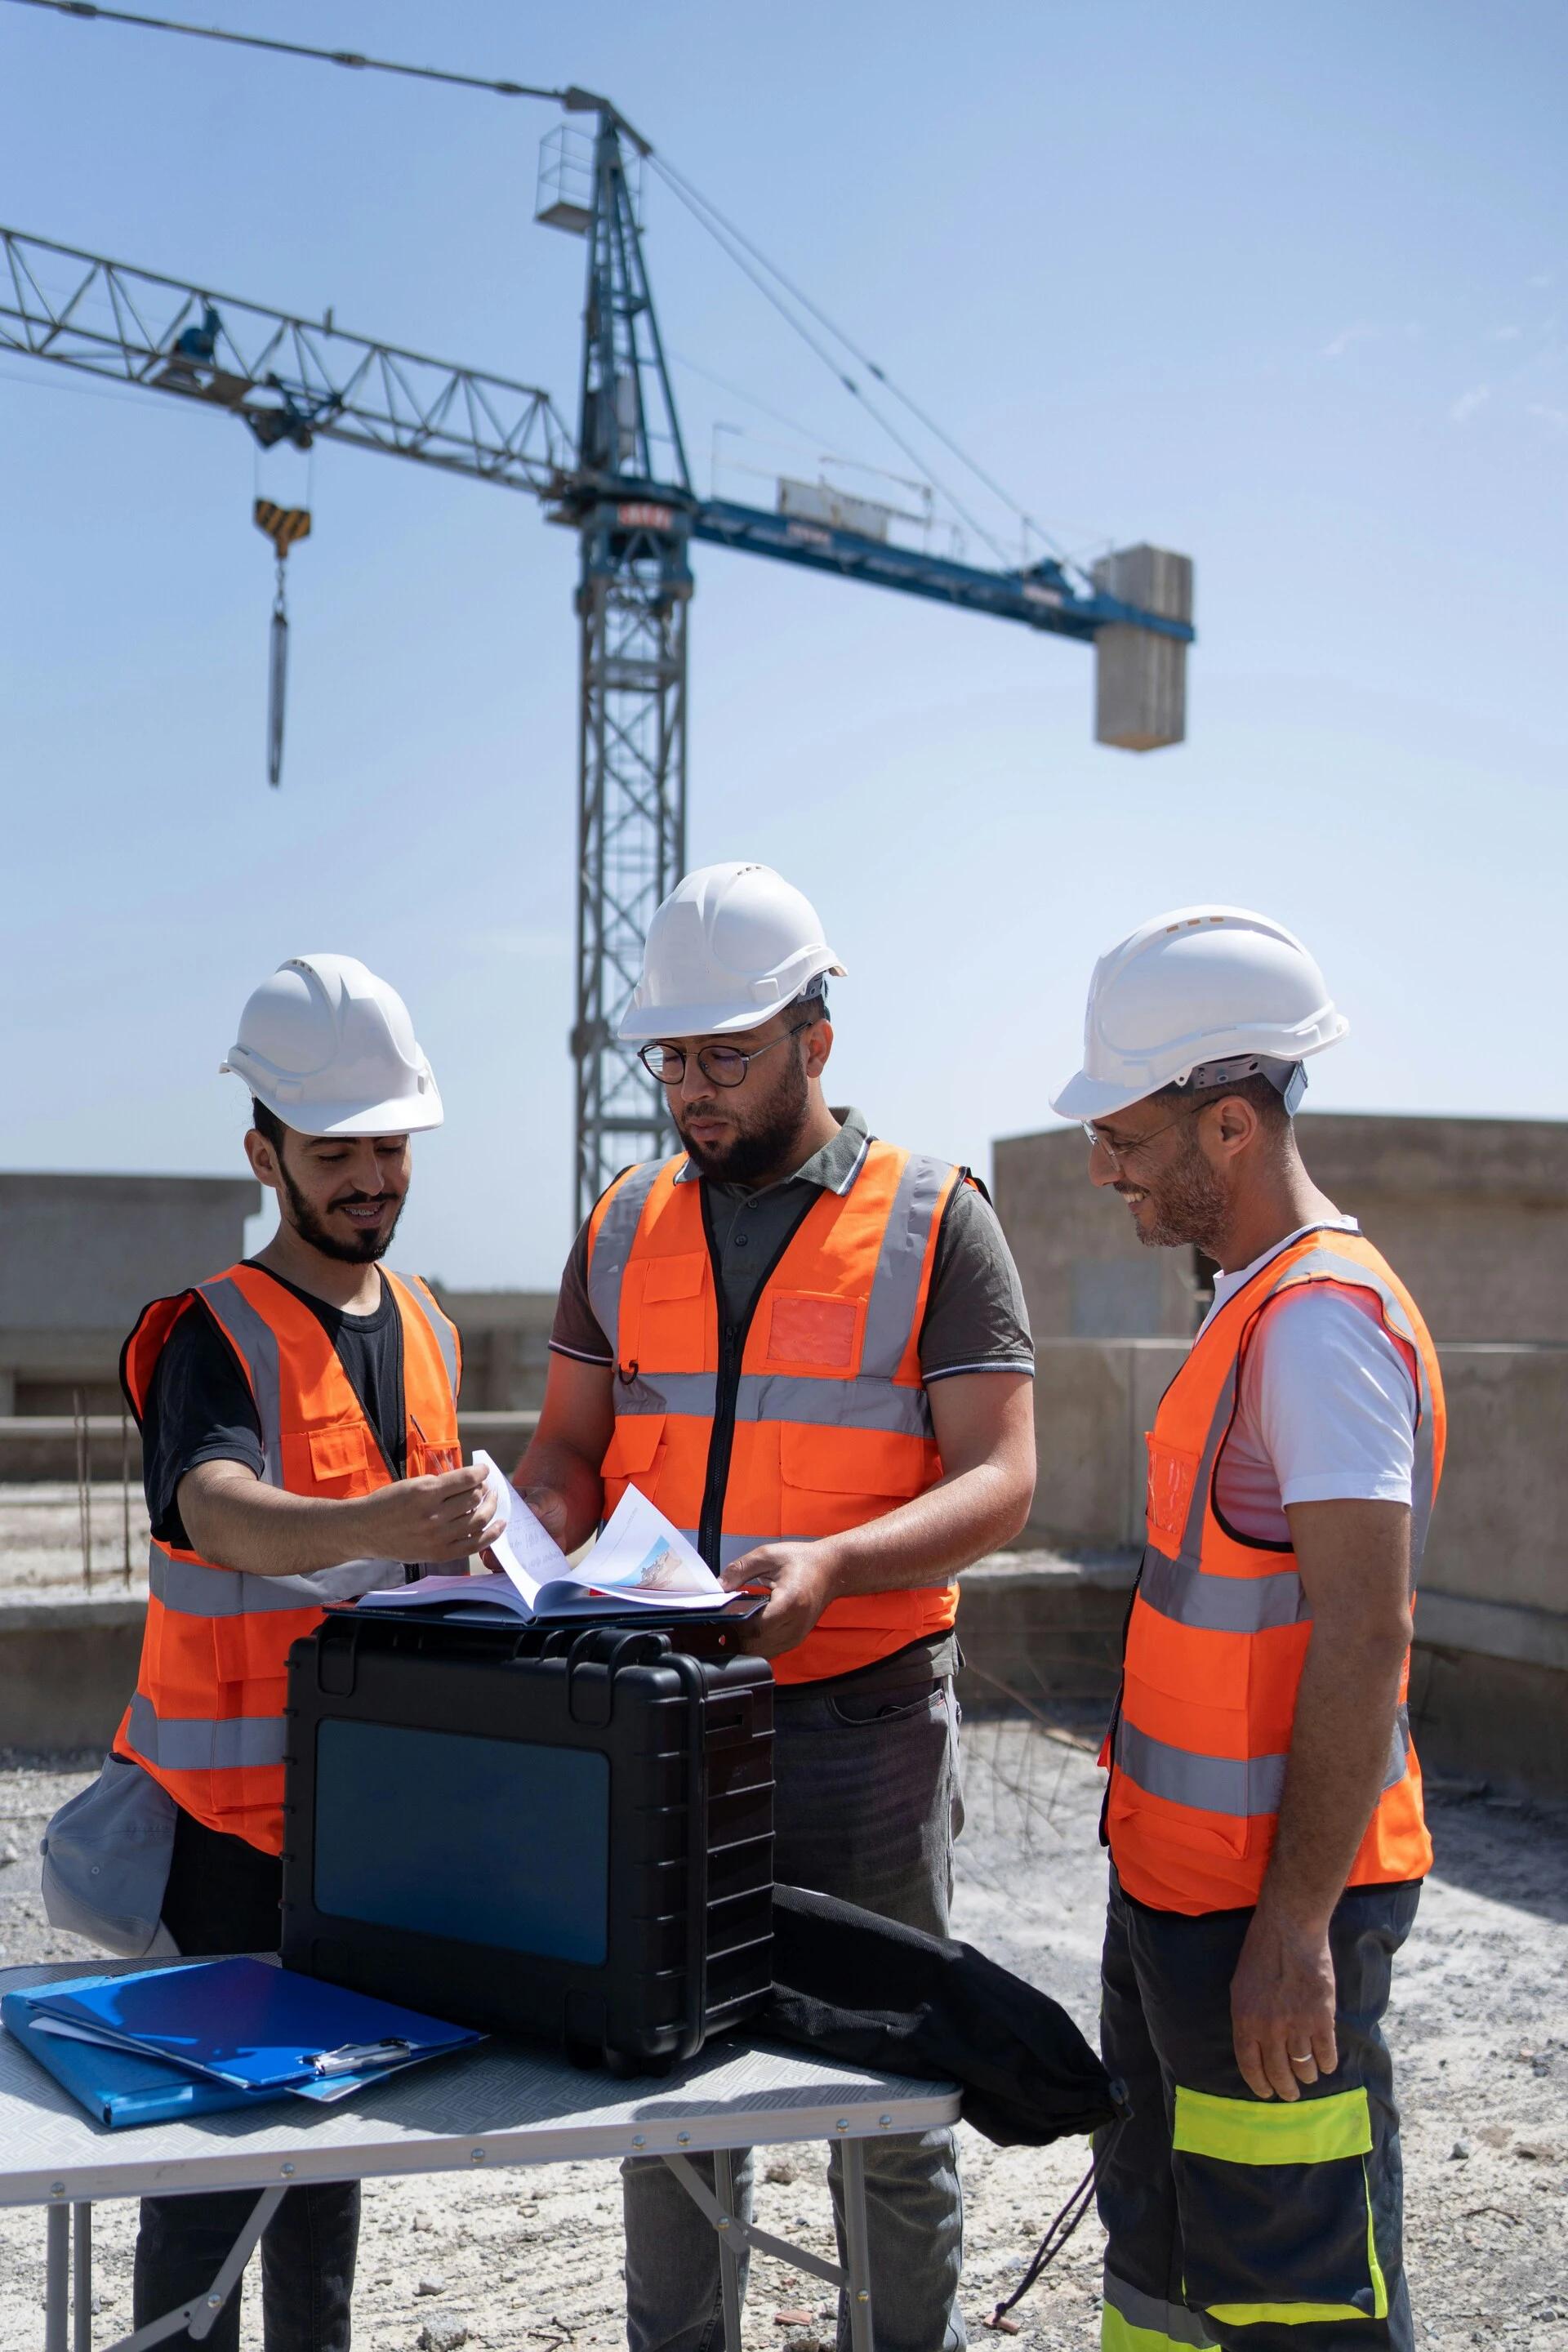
(502, 2104)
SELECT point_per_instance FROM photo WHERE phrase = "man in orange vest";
(299, 1441)
(809, 1349)
(1264, 1808)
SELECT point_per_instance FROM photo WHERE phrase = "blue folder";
(118, 2087)
(247, 2025)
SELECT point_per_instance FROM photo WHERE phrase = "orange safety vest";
(810, 1418)
(206, 1720)
(1219, 1625)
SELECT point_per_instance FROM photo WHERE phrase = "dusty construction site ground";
(532, 2259)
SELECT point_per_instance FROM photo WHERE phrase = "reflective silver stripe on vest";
(1241, 1786)
(441, 1331)
(1189, 1595)
(778, 1396)
(189, 1744)
(257, 1345)
(613, 1247)
(1172, 2321)
(900, 1265)
(194, 1589)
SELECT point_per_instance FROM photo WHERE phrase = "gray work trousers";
(867, 1804)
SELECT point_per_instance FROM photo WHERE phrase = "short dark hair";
(1262, 1093)
(267, 1123)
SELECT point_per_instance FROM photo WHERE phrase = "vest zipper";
(733, 1340)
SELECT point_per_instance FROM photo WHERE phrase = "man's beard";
(362, 1249)
(1191, 1204)
(760, 1151)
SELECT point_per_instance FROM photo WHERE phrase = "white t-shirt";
(1327, 1409)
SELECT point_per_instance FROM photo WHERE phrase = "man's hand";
(550, 1509)
(428, 1519)
(798, 1581)
(1282, 2006)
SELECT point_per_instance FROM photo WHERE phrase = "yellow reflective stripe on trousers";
(1132, 2321)
(1267, 2131)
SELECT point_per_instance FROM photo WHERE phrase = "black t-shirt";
(200, 1408)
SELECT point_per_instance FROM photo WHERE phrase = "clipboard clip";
(356, 2056)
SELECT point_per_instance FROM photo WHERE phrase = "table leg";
(81, 2278)
(197, 2317)
(728, 2266)
(57, 2278)
(858, 2265)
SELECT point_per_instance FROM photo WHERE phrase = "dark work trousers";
(868, 1803)
(1265, 2225)
(223, 1898)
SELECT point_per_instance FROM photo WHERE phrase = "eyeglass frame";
(1117, 1152)
(656, 1045)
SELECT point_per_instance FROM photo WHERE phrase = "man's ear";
(263, 1160)
(1236, 1125)
(818, 1045)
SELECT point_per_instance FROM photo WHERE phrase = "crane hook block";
(284, 526)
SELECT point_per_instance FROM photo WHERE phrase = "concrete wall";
(80, 1255)
(1473, 1213)
(506, 1346)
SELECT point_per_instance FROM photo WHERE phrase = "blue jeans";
(867, 1804)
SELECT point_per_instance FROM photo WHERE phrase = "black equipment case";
(546, 1831)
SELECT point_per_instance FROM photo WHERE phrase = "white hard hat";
(1203, 987)
(330, 1049)
(730, 945)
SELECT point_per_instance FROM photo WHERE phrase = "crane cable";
(703, 209)
(724, 232)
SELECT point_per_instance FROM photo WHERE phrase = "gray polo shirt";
(975, 1319)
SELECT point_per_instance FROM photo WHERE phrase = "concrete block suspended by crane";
(1140, 679)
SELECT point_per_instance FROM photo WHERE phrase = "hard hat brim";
(640, 1024)
(1086, 1097)
(399, 1115)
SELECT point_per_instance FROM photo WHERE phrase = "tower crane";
(621, 481)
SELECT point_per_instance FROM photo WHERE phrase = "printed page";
(641, 1557)
(523, 1552)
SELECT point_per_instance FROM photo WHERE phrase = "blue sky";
(1285, 288)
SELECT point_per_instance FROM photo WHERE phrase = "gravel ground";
(1481, 2029)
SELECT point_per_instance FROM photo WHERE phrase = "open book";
(639, 1559)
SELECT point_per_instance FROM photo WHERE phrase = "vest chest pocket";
(339, 1454)
(666, 1330)
(811, 1332)
(1173, 1475)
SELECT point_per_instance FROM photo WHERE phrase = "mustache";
(366, 1199)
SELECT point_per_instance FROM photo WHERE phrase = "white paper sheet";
(639, 1555)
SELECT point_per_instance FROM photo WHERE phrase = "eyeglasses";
(1119, 1153)
(722, 1066)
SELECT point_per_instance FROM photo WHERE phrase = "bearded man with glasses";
(809, 1347)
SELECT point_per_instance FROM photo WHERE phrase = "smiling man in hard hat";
(809, 1349)
(300, 1437)
(1264, 1810)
